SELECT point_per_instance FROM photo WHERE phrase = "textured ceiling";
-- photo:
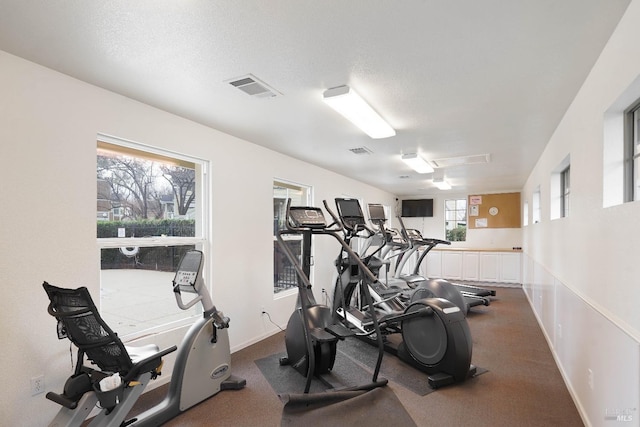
(454, 78)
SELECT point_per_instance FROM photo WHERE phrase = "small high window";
(565, 189)
(632, 158)
(535, 208)
(560, 189)
(621, 148)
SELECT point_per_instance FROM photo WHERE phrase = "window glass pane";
(284, 277)
(636, 154)
(138, 196)
(136, 289)
(565, 190)
(455, 220)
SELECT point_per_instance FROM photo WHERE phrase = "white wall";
(581, 272)
(490, 238)
(48, 128)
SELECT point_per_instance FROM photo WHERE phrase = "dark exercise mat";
(354, 365)
(392, 368)
(379, 406)
(285, 379)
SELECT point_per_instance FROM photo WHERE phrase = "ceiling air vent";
(360, 150)
(253, 86)
(458, 161)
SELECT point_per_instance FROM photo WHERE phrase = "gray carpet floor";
(522, 387)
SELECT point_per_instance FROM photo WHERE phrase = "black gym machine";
(429, 333)
(434, 334)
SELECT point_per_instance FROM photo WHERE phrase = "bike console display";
(188, 271)
(307, 217)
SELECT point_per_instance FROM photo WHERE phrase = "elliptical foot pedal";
(440, 380)
(339, 330)
(322, 335)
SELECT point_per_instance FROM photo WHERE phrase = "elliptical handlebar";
(437, 241)
(420, 240)
(336, 221)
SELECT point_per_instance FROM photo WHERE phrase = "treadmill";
(417, 241)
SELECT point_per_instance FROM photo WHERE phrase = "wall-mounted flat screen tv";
(417, 208)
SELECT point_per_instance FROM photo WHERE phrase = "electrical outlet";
(262, 311)
(37, 385)
(590, 378)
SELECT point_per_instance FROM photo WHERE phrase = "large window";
(284, 275)
(150, 211)
(455, 220)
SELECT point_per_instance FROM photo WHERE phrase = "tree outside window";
(149, 213)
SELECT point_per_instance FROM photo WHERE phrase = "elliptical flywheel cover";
(425, 336)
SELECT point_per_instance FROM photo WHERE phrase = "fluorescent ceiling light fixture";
(417, 163)
(441, 184)
(348, 103)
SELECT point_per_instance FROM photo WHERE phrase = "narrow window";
(284, 275)
(535, 209)
(565, 189)
(621, 148)
(150, 210)
(455, 215)
(634, 150)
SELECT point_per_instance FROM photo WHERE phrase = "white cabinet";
(470, 265)
(432, 266)
(452, 265)
(510, 270)
(490, 267)
(484, 266)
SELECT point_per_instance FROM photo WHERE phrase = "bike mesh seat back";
(80, 322)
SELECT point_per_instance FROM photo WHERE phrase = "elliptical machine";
(312, 334)
(430, 334)
(202, 367)
(411, 287)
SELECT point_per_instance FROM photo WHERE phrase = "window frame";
(202, 220)
(631, 156)
(565, 191)
(456, 220)
(308, 189)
